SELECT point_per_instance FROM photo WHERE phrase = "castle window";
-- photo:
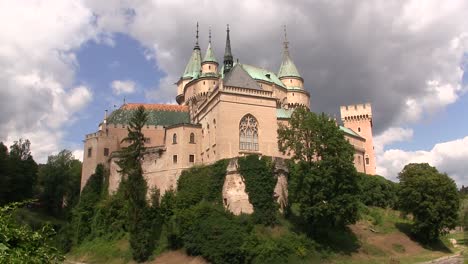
(367, 160)
(290, 81)
(358, 129)
(106, 152)
(192, 138)
(90, 151)
(203, 82)
(174, 159)
(191, 158)
(147, 140)
(209, 67)
(359, 160)
(174, 138)
(248, 133)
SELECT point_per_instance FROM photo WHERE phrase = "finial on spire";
(228, 59)
(285, 38)
(196, 42)
(209, 35)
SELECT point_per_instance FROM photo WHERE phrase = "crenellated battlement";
(356, 112)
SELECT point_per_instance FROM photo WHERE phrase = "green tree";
(324, 181)
(83, 213)
(59, 182)
(431, 197)
(18, 172)
(135, 186)
(19, 244)
(378, 191)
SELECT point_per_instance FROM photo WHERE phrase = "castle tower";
(192, 71)
(209, 64)
(228, 58)
(290, 77)
(288, 72)
(359, 119)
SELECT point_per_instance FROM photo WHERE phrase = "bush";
(378, 191)
(19, 244)
(260, 185)
(208, 230)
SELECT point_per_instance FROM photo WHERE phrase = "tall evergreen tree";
(135, 186)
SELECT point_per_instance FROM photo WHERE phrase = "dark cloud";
(383, 52)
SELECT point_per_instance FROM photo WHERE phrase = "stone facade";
(222, 113)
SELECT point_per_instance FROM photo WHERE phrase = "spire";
(209, 55)
(192, 70)
(228, 59)
(287, 68)
(196, 43)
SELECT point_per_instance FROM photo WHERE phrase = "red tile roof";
(157, 107)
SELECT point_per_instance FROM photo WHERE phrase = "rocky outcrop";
(235, 198)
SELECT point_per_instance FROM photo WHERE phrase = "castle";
(223, 111)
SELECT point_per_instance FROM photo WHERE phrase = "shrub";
(213, 233)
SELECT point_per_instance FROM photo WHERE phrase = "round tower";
(192, 71)
(290, 77)
(209, 65)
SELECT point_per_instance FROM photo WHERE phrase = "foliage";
(431, 197)
(19, 244)
(208, 230)
(324, 180)
(59, 183)
(262, 247)
(83, 213)
(18, 172)
(378, 191)
(135, 187)
(260, 185)
(201, 183)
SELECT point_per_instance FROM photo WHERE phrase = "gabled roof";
(209, 55)
(238, 77)
(158, 114)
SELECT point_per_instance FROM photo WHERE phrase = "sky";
(63, 63)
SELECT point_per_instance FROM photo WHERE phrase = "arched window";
(192, 138)
(174, 138)
(248, 133)
(358, 129)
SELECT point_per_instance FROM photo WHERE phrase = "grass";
(102, 250)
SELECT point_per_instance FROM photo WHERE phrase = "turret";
(288, 72)
(192, 71)
(209, 64)
(228, 59)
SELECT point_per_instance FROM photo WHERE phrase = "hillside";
(381, 236)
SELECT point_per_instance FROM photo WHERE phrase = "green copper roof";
(349, 132)
(155, 117)
(284, 113)
(288, 68)
(192, 70)
(262, 74)
(209, 55)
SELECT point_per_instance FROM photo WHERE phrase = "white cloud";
(78, 154)
(123, 87)
(37, 70)
(450, 157)
(392, 135)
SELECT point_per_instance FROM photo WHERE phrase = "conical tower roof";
(287, 68)
(193, 68)
(209, 55)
